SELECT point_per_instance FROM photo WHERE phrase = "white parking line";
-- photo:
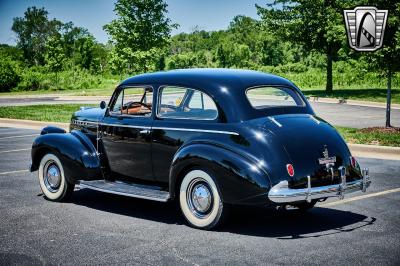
(11, 137)
(376, 194)
(15, 150)
(14, 172)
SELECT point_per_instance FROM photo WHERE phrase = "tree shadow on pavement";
(290, 224)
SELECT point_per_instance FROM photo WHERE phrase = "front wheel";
(200, 200)
(52, 179)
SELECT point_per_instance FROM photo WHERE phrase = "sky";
(93, 14)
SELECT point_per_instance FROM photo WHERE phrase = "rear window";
(268, 96)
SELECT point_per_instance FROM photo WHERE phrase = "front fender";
(239, 179)
(76, 152)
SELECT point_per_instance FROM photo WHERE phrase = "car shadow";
(295, 224)
(286, 225)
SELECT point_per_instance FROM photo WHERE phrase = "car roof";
(226, 86)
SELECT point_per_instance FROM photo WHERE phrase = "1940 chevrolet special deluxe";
(209, 138)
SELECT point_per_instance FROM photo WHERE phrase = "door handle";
(144, 131)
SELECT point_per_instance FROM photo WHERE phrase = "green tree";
(139, 34)
(315, 24)
(84, 55)
(70, 36)
(9, 76)
(387, 59)
(54, 56)
(33, 31)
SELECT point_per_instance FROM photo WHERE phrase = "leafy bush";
(32, 79)
(38, 78)
(9, 76)
(291, 68)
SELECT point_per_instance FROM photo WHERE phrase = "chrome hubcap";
(52, 176)
(199, 198)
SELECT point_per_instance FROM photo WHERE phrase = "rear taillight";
(290, 169)
(353, 162)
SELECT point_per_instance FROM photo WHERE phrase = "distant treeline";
(53, 55)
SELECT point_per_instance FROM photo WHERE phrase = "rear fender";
(239, 180)
(75, 150)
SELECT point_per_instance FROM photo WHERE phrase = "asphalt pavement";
(96, 228)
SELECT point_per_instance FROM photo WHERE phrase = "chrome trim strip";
(82, 185)
(274, 121)
(198, 130)
(80, 122)
(281, 193)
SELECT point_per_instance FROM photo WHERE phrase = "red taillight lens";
(290, 169)
(353, 162)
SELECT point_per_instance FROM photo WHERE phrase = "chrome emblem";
(365, 27)
(328, 161)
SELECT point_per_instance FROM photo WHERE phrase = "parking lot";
(98, 228)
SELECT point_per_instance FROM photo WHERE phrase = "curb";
(358, 150)
(375, 151)
(393, 106)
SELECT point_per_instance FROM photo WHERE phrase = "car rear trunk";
(307, 139)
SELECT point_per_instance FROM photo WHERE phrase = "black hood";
(89, 114)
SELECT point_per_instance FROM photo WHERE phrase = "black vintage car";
(209, 138)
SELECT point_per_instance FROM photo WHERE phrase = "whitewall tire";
(200, 201)
(52, 179)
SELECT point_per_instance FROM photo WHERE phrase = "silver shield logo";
(365, 27)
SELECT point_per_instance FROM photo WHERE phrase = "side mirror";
(103, 104)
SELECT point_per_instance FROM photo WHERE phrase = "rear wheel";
(200, 200)
(52, 179)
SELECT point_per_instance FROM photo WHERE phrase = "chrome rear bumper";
(281, 193)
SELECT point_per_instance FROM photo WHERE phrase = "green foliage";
(315, 24)
(139, 34)
(359, 136)
(387, 59)
(54, 56)
(38, 78)
(33, 31)
(9, 77)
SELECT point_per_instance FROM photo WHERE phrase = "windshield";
(269, 96)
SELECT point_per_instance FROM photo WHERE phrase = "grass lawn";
(63, 112)
(374, 137)
(49, 113)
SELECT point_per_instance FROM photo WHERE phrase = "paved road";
(98, 229)
(337, 114)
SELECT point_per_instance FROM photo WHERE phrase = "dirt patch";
(389, 130)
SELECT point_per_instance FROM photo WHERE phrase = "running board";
(127, 189)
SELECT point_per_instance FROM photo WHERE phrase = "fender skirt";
(239, 179)
(75, 150)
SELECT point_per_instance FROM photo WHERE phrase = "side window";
(265, 97)
(134, 101)
(116, 108)
(186, 103)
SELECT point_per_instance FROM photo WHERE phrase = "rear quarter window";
(269, 96)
